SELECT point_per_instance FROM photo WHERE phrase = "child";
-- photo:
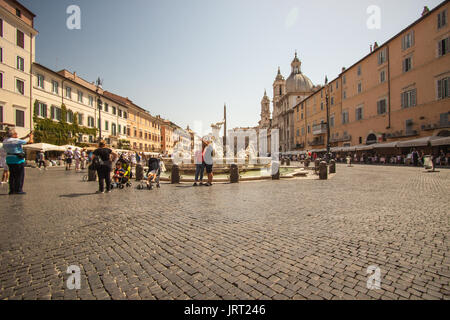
(119, 172)
(154, 170)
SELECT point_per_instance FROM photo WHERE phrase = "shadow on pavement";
(76, 195)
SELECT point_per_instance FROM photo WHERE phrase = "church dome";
(297, 81)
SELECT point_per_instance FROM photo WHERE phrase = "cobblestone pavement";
(297, 239)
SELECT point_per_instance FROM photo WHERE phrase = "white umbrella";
(43, 146)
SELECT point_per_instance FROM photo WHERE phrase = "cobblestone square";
(294, 239)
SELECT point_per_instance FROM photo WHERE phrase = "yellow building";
(399, 91)
(17, 54)
(143, 129)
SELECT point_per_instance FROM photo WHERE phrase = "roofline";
(397, 35)
(23, 7)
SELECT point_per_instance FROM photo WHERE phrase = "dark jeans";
(42, 162)
(199, 169)
(17, 175)
(104, 174)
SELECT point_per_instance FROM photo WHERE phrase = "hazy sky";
(183, 59)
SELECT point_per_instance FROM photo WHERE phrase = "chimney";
(371, 48)
(425, 11)
(375, 46)
(343, 69)
(74, 74)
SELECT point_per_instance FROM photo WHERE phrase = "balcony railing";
(319, 129)
(316, 142)
(440, 125)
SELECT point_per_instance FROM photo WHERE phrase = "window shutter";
(403, 43)
(52, 112)
(439, 87)
(412, 38)
(447, 87)
(413, 97)
(440, 45)
(44, 111)
(36, 109)
(439, 21)
(403, 100)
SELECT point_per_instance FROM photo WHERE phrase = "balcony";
(319, 129)
(429, 127)
(317, 142)
(401, 134)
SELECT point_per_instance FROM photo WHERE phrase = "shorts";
(153, 172)
(209, 168)
(69, 161)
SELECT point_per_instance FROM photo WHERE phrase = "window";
(359, 113)
(55, 113)
(106, 107)
(332, 101)
(80, 119)
(20, 86)
(91, 122)
(443, 121)
(20, 118)
(443, 46)
(409, 98)
(408, 40)
(40, 81)
(359, 87)
(442, 19)
(91, 101)
(345, 94)
(321, 106)
(1, 28)
(408, 126)
(113, 129)
(345, 117)
(381, 106)
(106, 125)
(303, 131)
(80, 97)
(114, 111)
(69, 116)
(20, 39)
(40, 110)
(382, 76)
(20, 63)
(337, 85)
(332, 121)
(125, 129)
(55, 87)
(120, 129)
(135, 132)
(359, 70)
(120, 113)
(1, 54)
(18, 13)
(344, 79)
(1, 80)
(382, 56)
(68, 92)
(309, 129)
(298, 132)
(125, 115)
(407, 64)
(443, 88)
(1, 117)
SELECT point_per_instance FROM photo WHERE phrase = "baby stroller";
(153, 174)
(122, 175)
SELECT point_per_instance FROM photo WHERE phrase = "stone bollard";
(307, 162)
(139, 172)
(234, 173)
(92, 174)
(175, 175)
(275, 170)
(323, 171)
(316, 165)
(288, 162)
(332, 166)
(282, 162)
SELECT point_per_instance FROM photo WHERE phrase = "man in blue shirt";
(15, 160)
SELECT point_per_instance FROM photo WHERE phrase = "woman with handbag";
(15, 160)
(102, 159)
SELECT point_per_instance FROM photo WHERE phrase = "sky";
(184, 59)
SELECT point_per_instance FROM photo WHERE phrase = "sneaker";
(109, 191)
(21, 193)
(99, 192)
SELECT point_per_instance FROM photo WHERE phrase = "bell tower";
(265, 111)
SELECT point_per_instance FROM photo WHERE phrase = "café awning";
(441, 141)
(421, 142)
(388, 145)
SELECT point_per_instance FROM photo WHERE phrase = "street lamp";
(328, 119)
(99, 83)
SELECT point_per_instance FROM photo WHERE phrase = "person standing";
(77, 158)
(208, 162)
(415, 157)
(104, 157)
(15, 160)
(3, 165)
(199, 167)
(83, 159)
(41, 159)
(69, 156)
